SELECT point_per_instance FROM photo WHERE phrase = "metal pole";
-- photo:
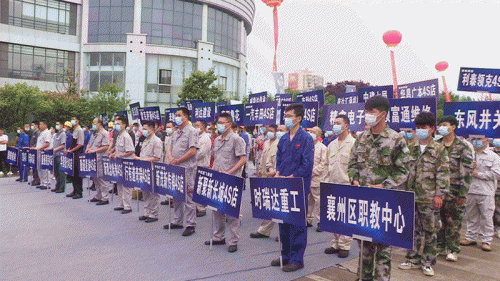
(281, 248)
(169, 213)
(212, 230)
(360, 271)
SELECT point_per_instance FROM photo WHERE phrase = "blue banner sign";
(475, 118)
(24, 156)
(386, 216)
(422, 89)
(311, 113)
(67, 164)
(219, 104)
(105, 120)
(47, 160)
(134, 110)
(204, 111)
(350, 88)
(32, 155)
(368, 92)
(137, 173)
(281, 199)
(479, 80)
(237, 112)
(314, 96)
(218, 190)
(260, 113)
(257, 98)
(355, 112)
(170, 114)
(348, 98)
(112, 169)
(150, 114)
(170, 180)
(403, 111)
(122, 113)
(87, 165)
(283, 97)
(12, 156)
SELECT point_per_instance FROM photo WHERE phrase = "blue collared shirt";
(326, 142)
(69, 139)
(296, 157)
(24, 140)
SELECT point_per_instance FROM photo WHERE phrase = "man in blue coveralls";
(294, 159)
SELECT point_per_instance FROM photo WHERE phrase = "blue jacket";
(86, 138)
(326, 142)
(24, 140)
(296, 157)
(69, 139)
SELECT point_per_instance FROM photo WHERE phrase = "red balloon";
(273, 3)
(392, 38)
(441, 66)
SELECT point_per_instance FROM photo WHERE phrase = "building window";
(34, 63)
(222, 82)
(106, 68)
(47, 15)
(110, 20)
(223, 31)
(165, 81)
(172, 22)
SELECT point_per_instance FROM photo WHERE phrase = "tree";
(293, 92)
(199, 86)
(442, 100)
(339, 87)
(109, 100)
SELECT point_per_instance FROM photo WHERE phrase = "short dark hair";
(34, 122)
(122, 118)
(136, 124)
(298, 109)
(344, 118)
(378, 102)
(184, 110)
(275, 127)
(449, 119)
(99, 120)
(234, 126)
(203, 122)
(425, 118)
(170, 122)
(227, 116)
(151, 124)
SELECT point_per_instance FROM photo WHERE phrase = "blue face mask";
(118, 128)
(279, 134)
(403, 134)
(496, 142)
(145, 133)
(409, 136)
(94, 127)
(32, 128)
(263, 130)
(221, 128)
(270, 135)
(73, 122)
(422, 134)
(478, 144)
(289, 123)
(313, 136)
(19, 131)
(178, 120)
(443, 131)
(337, 129)
(58, 127)
(328, 134)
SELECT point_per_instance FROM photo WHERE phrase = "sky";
(342, 40)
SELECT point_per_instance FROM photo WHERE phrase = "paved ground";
(45, 236)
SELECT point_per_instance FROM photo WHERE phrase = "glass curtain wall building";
(147, 47)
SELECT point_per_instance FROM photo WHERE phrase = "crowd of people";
(453, 178)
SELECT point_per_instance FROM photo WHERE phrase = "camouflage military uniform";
(496, 216)
(429, 177)
(451, 212)
(381, 160)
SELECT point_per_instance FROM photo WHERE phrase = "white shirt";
(3, 147)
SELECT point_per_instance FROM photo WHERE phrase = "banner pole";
(212, 230)
(169, 213)
(360, 272)
(137, 198)
(281, 248)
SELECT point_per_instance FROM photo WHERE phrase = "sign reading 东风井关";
(475, 118)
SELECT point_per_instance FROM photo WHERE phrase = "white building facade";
(147, 47)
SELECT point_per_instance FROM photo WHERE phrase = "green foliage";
(293, 92)
(199, 86)
(330, 99)
(109, 100)
(442, 101)
(339, 87)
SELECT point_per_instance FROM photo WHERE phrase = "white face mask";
(371, 119)
(313, 136)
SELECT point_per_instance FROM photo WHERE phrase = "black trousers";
(77, 184)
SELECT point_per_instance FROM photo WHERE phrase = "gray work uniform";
(98, 140)
(124, 144)
(227, 152)
(43, 138)
(151, 147)
(183, 140)
(203, 158)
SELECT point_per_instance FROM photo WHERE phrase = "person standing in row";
(151, 150)
(202, 156)
(23, 142)
(76, 148)
(123, 148)
(4, 139)
(58, 149)
(294, 159)
(99, 144)
(43, 142)
(33, 142)
(229, 151)
(337, 163)
(496, 216)
(379, 160)
(318, 176)
(167, 156)
(184, 145)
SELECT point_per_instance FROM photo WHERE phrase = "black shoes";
(215, 242)
(59, 191)
(118, 209)
(343, 254)
(100, 203)
(42, 187)
(200, 214)
(173, 226)
(276, 262)
(127, 211)
(258, 235)
(292, 267)
(232, 248)
(70, 195)
(77, 196)
(148, 220)
(93, 200)
(331, 251)
(19, 179)
(54, 190)
(188, 231)
(142, 218)
(166, 202)
(309, 225)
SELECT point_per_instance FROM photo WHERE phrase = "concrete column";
(137, 16)
(135, 70)
(204, 27)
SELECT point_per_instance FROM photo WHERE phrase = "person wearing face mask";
(183, 148)
(337, 160)
(137, 133)
(496, 216)
(58, 148)
(76, 148)
(329, 137)
(4, 139)
(294, 158)
(152, 150)
(23, 142)
(318, 176)
(480, 205)
(33, 141)
(430, 180)
(99, 144)
(123, 148)
(460, 156)
(409, 134)
(267, 170)
(378, 160)
(43, 142)
(202, 156)
(167, 157)
(87, 134)
(230, 157)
